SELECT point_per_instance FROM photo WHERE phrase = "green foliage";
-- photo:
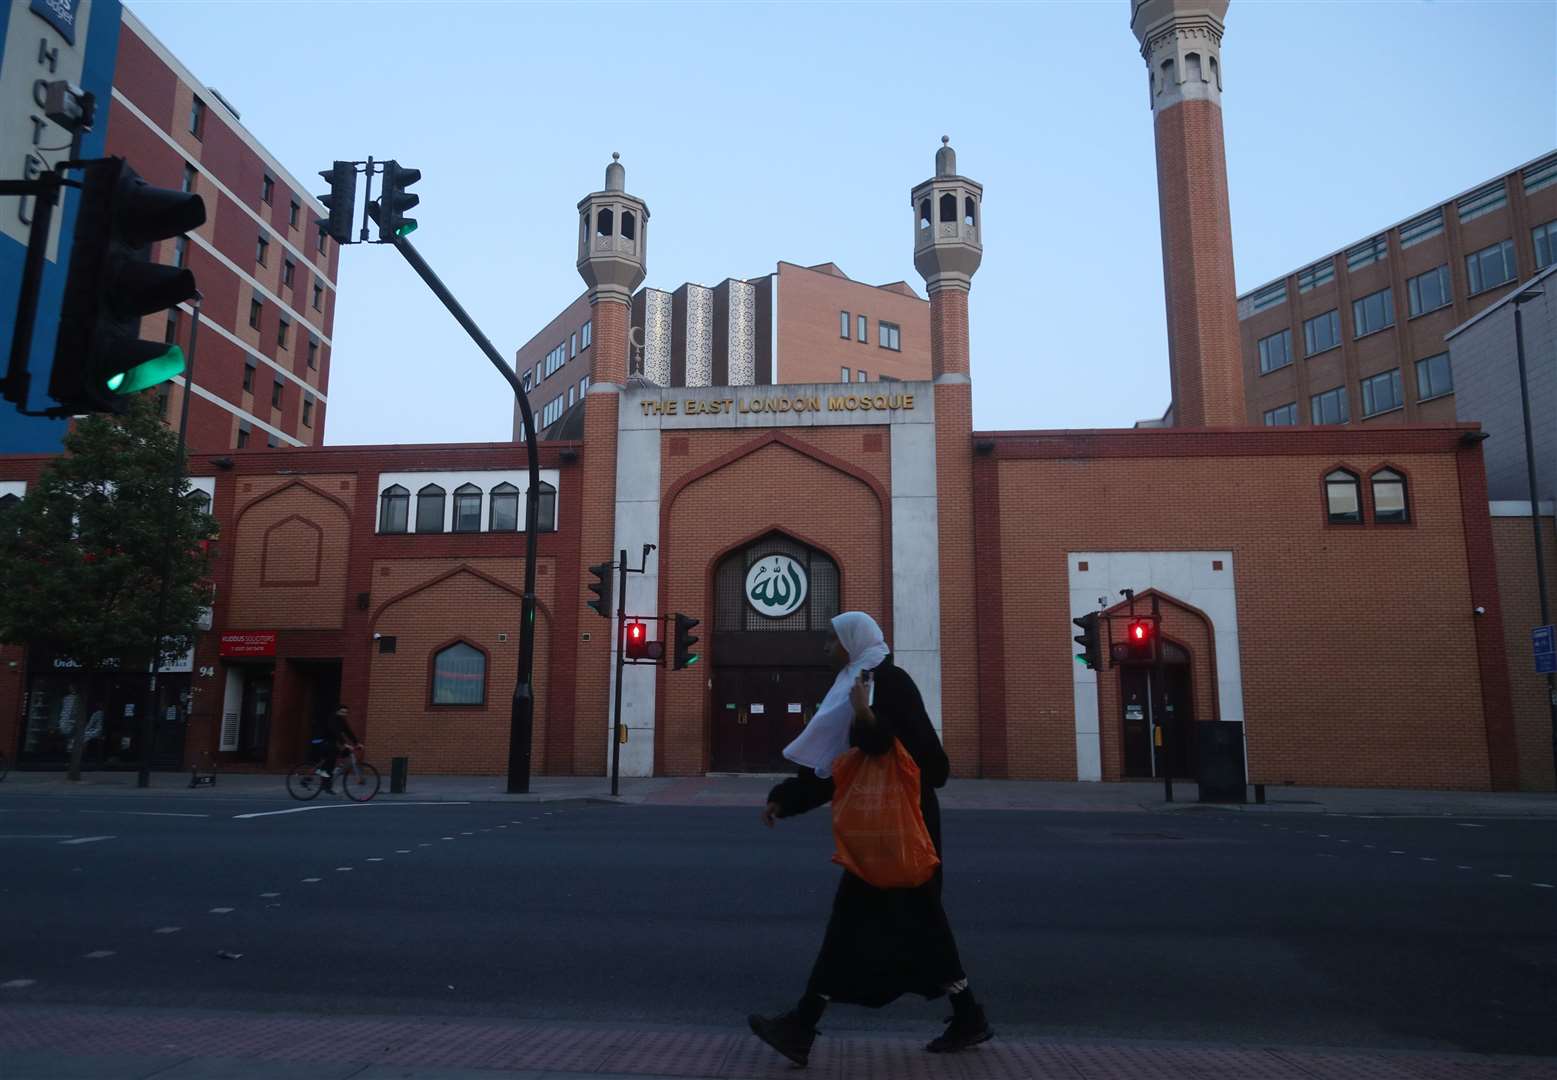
(83, 554)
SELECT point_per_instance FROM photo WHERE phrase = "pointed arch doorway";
(774, 601)
(1145, 713)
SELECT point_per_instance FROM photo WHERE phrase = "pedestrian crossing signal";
(637, 640)
(685, 639)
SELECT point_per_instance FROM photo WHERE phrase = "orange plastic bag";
(878, 827)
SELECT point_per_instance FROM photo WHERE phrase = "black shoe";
(962, 1032)
(786, 1034)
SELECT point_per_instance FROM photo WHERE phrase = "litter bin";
(1220, 765)
(398, 768)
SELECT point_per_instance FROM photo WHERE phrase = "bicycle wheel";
(361, 783)
(302, 784)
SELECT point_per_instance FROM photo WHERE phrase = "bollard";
(1259, 794)
(398, 767)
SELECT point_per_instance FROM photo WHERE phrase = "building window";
(1421, 228)
(275, 393)
(293, 209)
(1491, 267)
(861, 325)
(1541, 174)
(1373, 313)
(1367, 253)
(318, 296)
(248, 378)
(1493, 196)
(197, 118)
(189, 179)
(924, 213)
(244, 430)
(546, 512)
(1434, 377)
(308, 411)
(459, 676)
(845, 323)
(394, 507)
(181, 252)
(1269, 296)
(164, 391)
(313, 353)
(860, 376)
(1275, 351)
(467, 508)
(1283, 416)
(527, 382)
(282, 328)
(1321, 333)
(1381, 393)
(586, 334)
(890, 336)
(255, 307)
(844, 376)
(288, 272)
(504, 516)
(170, 334)
(429, 509)
(1314, 276)
(583, 387)
(1430, 291)
(572, 390)
(1389, 498)
(573, 345)
(1343, 498)
(556, 358)
(267, 189)
(1544, 237)
(1330, 407)
(320, 242)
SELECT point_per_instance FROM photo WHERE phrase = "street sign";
(1544, 642)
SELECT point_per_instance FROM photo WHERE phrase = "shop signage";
(249, 643)
(1544, 642)
(776, 586)
(777, 403)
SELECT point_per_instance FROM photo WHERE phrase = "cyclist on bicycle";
(332, 734)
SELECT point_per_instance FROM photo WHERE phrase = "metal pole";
(1535, 513)
(621, 662)
(522, 715)
(175, 489)
(1159, 697)
(45, 190)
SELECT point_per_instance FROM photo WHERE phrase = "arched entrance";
(774, 601)
(1143, 713)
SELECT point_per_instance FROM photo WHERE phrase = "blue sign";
(60, 14)
(1544, 642)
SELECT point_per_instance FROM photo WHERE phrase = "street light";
(1525, 297)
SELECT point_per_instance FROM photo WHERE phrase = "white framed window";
(1275, 351)
(1381, 393)
(1434, 377)
(845, 322)
(1282, 415)
(1430, 291)
(1373, 313)
(1322, 333)
(1329, 407)
(1491, 266)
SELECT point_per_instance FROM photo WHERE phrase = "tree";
(84, 553)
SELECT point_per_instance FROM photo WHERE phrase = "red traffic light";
(1139, 638)
(1140, 631)
(636, 632)
(639, 647)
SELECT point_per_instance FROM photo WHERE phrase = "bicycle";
(359, 781)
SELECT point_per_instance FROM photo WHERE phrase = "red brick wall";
(811, 349)
(959, 595)
(281, 521)
(1515, 544)
(949, 332)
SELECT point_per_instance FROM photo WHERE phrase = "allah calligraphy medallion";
(776, 586)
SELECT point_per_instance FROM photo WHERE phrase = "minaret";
(612, 243)
(1181, 41)
(948, 247)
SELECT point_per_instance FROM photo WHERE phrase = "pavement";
(959, 794)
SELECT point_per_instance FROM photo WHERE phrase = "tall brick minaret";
(948, 247)
(613, 236)
(1182, 43)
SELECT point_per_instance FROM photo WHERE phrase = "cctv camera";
(1480, 610)
(377, 635)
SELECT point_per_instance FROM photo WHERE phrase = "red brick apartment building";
(1286, 561)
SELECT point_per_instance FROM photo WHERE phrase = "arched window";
(1216, 72)
(629, 226)
(546, 515)
(504, 516)
(459, 675)
(969, 216)
(924, 213)
(1389, 498)
(1343, 497)
(605, 221)
(1192, 72)
(429, 509)
(467, 508)
(948, 209)
(394, 507)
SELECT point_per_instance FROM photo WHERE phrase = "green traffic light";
(407, 229)
(149, 373)
(694, 658)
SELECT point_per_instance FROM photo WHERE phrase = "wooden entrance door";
(758, 711)
(1142, 716)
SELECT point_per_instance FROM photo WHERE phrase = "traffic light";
(99, 358)
(1091, 653)
(395, 201)
(601, 587)
(341, 202)
(637, 640)
(685, 639)
(1141, 639)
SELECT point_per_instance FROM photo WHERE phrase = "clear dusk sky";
(760, 132)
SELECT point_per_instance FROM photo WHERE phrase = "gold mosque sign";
(779, 403)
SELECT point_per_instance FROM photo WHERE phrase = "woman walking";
(880, 943)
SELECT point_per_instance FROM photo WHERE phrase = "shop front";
(107, 705)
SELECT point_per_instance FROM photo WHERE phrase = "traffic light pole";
(522, 716)
(175, 489)
(45, 192)
(1535, 512)
(1160, 698)
(621, 662)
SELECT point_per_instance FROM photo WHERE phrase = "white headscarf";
(827, 735)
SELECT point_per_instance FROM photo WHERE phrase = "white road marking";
(1324, 836)
(338, 869)
(36, 836)
(1503, 875)
(502, 826)
(339, 806)
(167, 929)
(1370, 847)
(374, 858)
(1426, 858)
(1345, 841)
(402, 851)
(270, 895)
(425, 843)
(467, 834)
(1468, 825)
(221, 911)
(17, 984)
(1464, 867)
(100, 954)
(86, 839)
(1541, 885)
(1397, 852)
(311, 880)
(142, 813)
(448, 838)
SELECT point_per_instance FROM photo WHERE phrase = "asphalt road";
(1290, 929)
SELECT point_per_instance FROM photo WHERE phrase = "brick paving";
(57, 1041)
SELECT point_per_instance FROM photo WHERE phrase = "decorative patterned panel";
(700, 336)
(656, 336)
(742, 350)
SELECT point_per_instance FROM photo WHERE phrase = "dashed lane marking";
(167, 929)
(269, 895)
(36, 836)
(99, 954)
(142, 813)
(221, 911)
(1468, 825)
(375, 858)
(339, 806)
(402, 851)
(446, 838)
(87, 839)
(1503, 875)
(1465, 868)
(1541, 885)
(311, 880)
(467, 834)
(17, 984)
(338, 869)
